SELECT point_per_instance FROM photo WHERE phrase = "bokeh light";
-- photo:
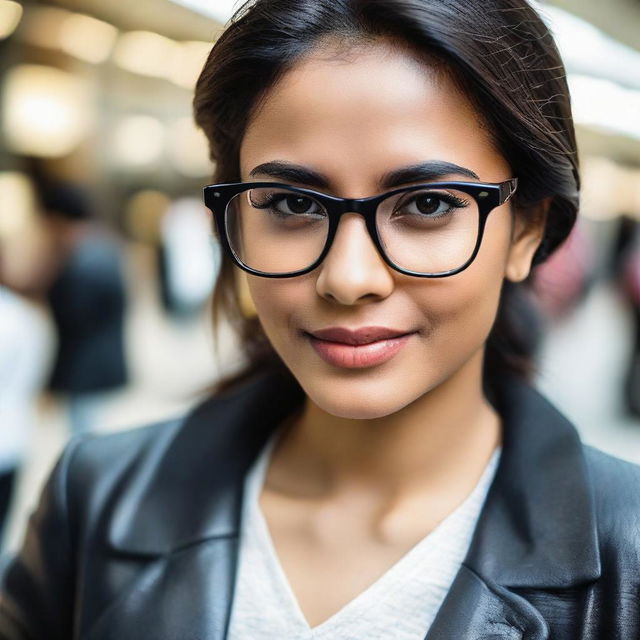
(138, 141)
(10, 14)
(87, 38)
(145, 53)
(188, 150)
(45, 110)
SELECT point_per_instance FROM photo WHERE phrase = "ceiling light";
(10, 14)
(220, 10)
(87, 38)
(145, 53)
(46, 111)
(605, 105)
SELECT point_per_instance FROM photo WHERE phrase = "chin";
(355, 402)
(358, 412)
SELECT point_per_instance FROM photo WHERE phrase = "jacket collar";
(187, 486)
(536, 529)
(538, 525)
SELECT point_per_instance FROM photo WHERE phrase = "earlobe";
(520, 258)
(526, 239)
(519, 263)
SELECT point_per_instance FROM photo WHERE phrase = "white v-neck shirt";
(401, 604)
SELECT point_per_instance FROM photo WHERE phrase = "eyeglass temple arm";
(507, 189)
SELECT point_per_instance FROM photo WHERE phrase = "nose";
(353, 271)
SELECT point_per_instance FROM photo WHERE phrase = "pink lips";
(355, 349)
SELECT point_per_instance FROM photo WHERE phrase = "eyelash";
(274, 198)
(453, 201)
(445, 197)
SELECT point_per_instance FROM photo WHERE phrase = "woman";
(387, 172)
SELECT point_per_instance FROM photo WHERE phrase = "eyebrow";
(422, 172)
(425, 172)
(291, 173)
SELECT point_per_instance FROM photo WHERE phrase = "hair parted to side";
(501, 54)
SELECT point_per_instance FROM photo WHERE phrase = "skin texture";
(380, 455)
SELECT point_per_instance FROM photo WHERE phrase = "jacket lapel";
(182, 517)
(474, 611)
(187, 594)
(191, 487)
(536, 530)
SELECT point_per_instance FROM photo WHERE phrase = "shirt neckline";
(253, 513)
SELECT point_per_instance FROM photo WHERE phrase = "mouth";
(359, 348)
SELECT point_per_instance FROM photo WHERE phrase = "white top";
(25, 352)
(401, 604)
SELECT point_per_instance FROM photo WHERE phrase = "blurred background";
(107, 261)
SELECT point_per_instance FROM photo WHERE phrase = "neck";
(447, 433)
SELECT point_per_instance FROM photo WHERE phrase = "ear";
(525, 239)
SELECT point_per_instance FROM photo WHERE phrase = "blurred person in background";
(24, 361)
(87, 299)
(626, 270)
(189, 258)
(26, 339)
(387, 174)
(563, 281)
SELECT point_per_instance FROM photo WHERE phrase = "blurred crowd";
(64, 301)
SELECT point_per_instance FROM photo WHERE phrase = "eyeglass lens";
(428, 231)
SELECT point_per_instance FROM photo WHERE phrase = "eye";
(297, 204)
(428, 204)
(286, 204)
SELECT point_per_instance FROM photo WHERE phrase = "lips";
(365, 335)
(358, 348)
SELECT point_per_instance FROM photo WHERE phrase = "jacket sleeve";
(37, 587)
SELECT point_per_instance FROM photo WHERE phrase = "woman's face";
(353, 120)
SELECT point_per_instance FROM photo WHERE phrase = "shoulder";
(96, 453)
(615, 486)
(91, 463)
(213, 436)
(615, 482)
(98, 450)
(104, 449)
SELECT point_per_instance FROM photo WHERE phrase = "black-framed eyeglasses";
(428, 230)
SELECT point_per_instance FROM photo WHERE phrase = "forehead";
(358, 114)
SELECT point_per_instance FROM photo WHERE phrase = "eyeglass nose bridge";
(366, 207)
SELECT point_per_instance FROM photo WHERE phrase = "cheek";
(275, 299)
(460, 309)
(458, 317)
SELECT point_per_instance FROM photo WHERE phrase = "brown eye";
(427, 204)
(297, 204)
(285, 204)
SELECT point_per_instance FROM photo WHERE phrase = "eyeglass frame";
(488, 196)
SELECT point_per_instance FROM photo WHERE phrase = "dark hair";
(64, 200)
(499, 51)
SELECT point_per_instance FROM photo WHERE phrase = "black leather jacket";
(136, 535)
